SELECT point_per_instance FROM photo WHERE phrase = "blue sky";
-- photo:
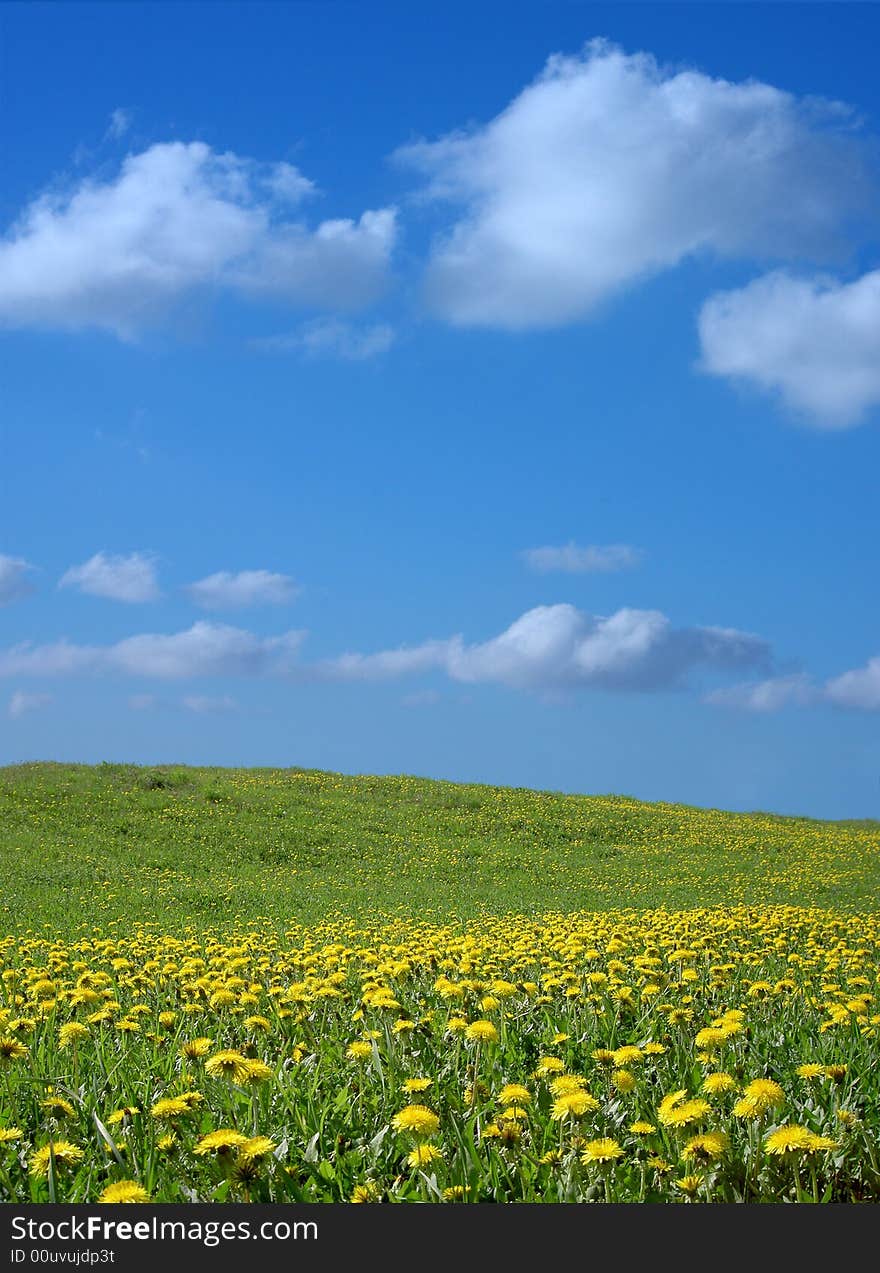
(483, 392)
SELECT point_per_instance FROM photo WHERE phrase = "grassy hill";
(83, 845)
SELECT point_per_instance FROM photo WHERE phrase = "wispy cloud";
(857, 689)
(205, 704)
(228, 591)
(333, 338)
(177, 219)
(15, 582)
(572, 560)
(771, 695)
(610, 168)
(118, 125)
(813, 342)
(119, 578)
(21, 703)
(204, 650)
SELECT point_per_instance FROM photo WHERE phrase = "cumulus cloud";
(227, 591)
(570, 559)
(20, 703)
(177, 219)
(204, 650)
(609, 168)
(815, 342)
(770, 695)
(333, 338)
(859, 688)
(120, 578)
(14, 579)
(559, 647)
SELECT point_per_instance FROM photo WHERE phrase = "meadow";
(287, 985)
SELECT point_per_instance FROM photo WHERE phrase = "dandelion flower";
(58, 1107)
(424, 1155)
(11, 1050)
(601, 1151)
(124, 1191)
(71, 1033)
(417, 1084)
(715, 1084)
(64, 1153)
(255, 1149)
(195, 1049)
(222, 1141)
(416, 1119)
(228, 1064)
(481, 1032)
(689, 1184)
(514, 1094)
(367, 1192)
(789, 1139)
(759, 1097)
(573, 1105)
(170, 1107)
(708, 1147)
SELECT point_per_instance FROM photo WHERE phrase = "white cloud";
(770, 695)
(21, 703)
(120, 122)
(132, 579)
(205, 649)
(559, 647)
(14, 581)
(389, 664)
(608, 168)
(227, 591)
(859, 688)
(180, 218)
(333, 338)
(204, 704)
(570, 559)
(813, 341)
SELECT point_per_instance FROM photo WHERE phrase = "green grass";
(83, 846)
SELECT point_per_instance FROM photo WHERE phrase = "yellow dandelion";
(514, 1094)
(481, 1032)
(195, 1049)
(417, 1084)
(360, 1050)
(222, 1141)
(69, 1035)
(64, 1153)
(255, 1149)
(124, 1191)
(417, 1120)
(424, 1155)
(715, 1084)
(228, 1064)
(707, 1147)
(601, 1151)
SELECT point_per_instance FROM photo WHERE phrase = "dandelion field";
(281, 986)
